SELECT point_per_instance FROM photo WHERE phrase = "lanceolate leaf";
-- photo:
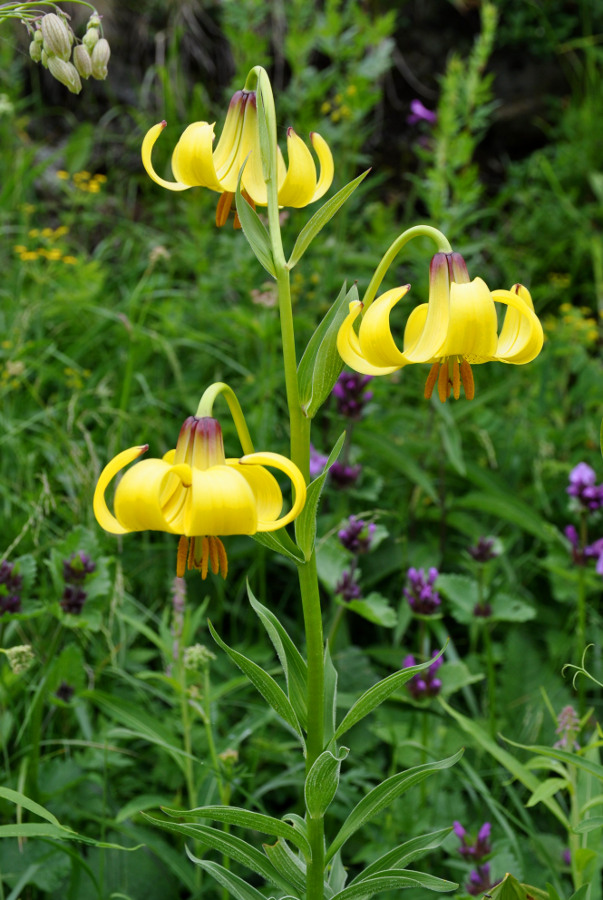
(255, 231)
(383, 795)
(400, 856)
(244, 818)
(393, 880)
(320, 219)
(233, 884)
(280, 542)
(264, 683)
(233, 847)
(305, 524)
(293, 663)
(290, 866)
(322, 782)
(378, 693)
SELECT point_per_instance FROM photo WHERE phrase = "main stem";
(300, 455)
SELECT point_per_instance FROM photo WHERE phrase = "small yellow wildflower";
(63, 175)
(70, 260)
(47, 232)
(33, 232)
(19, 248)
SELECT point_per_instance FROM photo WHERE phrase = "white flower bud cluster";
(53, 40)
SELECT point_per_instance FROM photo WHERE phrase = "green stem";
(581, 604)
(300, 455)
(206, 404)
(436, 236)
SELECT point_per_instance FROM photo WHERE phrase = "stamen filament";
(431, 380)
(467, 380)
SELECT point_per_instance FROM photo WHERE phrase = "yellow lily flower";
(194, 491)
(456, 329)
(196, 163)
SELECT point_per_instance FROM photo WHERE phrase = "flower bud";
(90, 39)
(35, 51)
(57, 37)
(82, 61)
(44, 59)
(100, 59)
(66, 73)
(93, 22)
(38, 36)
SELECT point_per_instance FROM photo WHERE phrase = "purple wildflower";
(582, 486)
(357, 535)
(344, 476)
(479, 881)
(419, 113)
(73, 599)
(484, 550)
(10, 602)
(578, 555)
(596, 549)
(348, 588)
(480, 848)
(77, 567)
(351, 394)
(566, 856)
(424, 684)
(568, 726)
(420, 593)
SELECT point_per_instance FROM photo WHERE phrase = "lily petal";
(149, 497)
(221, 502)
(276, 461)
(192, 159)
(104, 517)
(472, 331)
(376, 341)
(327, 166)
(521, 337)
(299, 185)
(146, 151)
(348, 346)
(267, 493)
(433, 335)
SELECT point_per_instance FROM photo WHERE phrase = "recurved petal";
(192, 159)
(149, 497)
(327, 168)
(348, 346)
(268, 497)
(521, 337)
(376, 341)
(146, 151)
(299, 185)
(276, 461)
(472, 330)
(104, 517)
(427, 343)
(222, 502)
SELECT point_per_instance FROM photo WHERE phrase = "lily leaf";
(320, 219)
(305, 524)
(254, 230)
(322, 782)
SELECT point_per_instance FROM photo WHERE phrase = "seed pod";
(66, 73)
(100, 59)
(82, 61)
(35, 51)
(57, 37)
(90, 39)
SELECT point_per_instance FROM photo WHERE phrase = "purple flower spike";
(478, 849)
(344, 476)
(317, 462)
(357, 536)
(421, 596)
(582, 486)
(351, 394)
(484, 550)
(458, 830)
(424, 684)
(348, 588)
(479, 881)
(420, 113)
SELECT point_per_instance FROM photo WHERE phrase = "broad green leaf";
(244, 818)
(264, 683)
(392, 880)
(511, 889)
(254, 230)
(581, 893)
(374, 608)
(587, 825)
(507, 608)
(293, 663)
(320, 219)
(291, 868)
(383, 795)
(462, 594)
(233, 847)
(510, 763)
(322, 782)
(280, 542)
(305, 524)
(321, 364)
(21, 800)
(546, 789)
(375, 695)
(405, 853)
(233, 884)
